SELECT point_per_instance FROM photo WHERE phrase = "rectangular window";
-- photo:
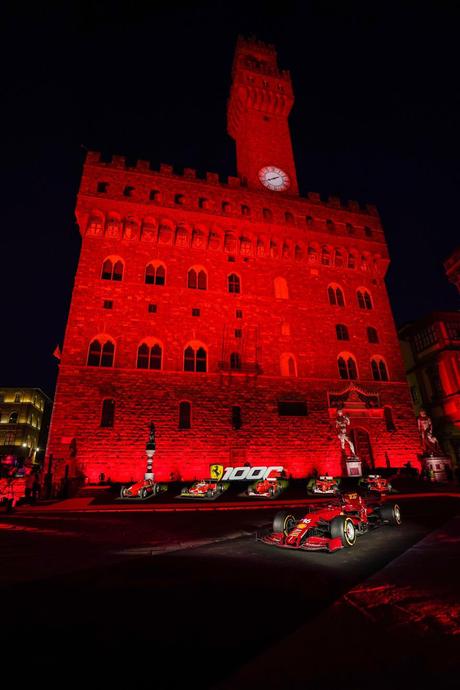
(185, 410)
(230, 258)
(238, 333)
(152, 308)
(108, 413)
(128, 191)
(239, 313)
(108, 304)
(236, 417)
(102, 187)
(195, 312)
(294, 408)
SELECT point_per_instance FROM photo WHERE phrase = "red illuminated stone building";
(237, 315)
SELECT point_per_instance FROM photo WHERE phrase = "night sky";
(376, 119)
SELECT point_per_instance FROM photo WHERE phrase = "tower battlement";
(126, 165)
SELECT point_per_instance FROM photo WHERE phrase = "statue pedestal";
(354, 467)
(438, 467)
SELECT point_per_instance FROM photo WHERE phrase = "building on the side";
(24, 425)
(452, 268)
(431, 353)
(237, 314)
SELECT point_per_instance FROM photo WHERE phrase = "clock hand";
(277, 177)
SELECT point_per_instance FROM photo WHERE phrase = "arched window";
(312, 255)
(288, 365)
(155, 274)
(379, 369)
(13, 418)
(335, 296)
(101, 352)
(233, 283)
(197, 278)
(195, 358)
(338, 258)
(281, 288)
(149, 355)
(108, 413)
(185, 415)
(330, 225)
(351, 261)
(112, 269)
(364, 299)
(372, 335)
(347, 366)
(326, 256)
(267, 215)
(342, 332)
(235, 361)
(288, 217)
(245, 210)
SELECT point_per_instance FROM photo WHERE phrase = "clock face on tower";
(274, 178)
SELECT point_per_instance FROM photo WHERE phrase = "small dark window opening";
(152, 308)
(350, 229)
(288, 217)
(235, 361)
(102, 187)
(154, 195)
(226, 207)
(231, 258)
(388, 416)
(342, 332)
(368, 231)
(309, 220)
(236, 417)
(108, 413)
(203, 202)
(13, 418)
(108, 304)
(292, 409)
(179, 199)
(234, 283)
(239, 314)
(372, 335)
(185, 410)
(128, 191)
(245, 210)
(238, 333)
(330, 225)
(267, 214)
(195, 312)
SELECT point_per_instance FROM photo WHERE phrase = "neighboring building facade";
(237, 316)
(452, 268)
(24, 424)
(431, 352)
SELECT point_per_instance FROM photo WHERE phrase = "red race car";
(331, 527)
(375, 482)
(205, 488)
(145, 488)
(270, 487)
(324, 484)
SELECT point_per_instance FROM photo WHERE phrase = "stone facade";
(248, 286)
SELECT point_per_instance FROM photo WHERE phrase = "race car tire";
(283, 522)
(209, 493)
(391, 514)
(344, 529)
(123, 492)
(144, 493)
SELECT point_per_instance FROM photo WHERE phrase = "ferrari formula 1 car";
(205, 488)
(324, 484)
(331, 527)
(375, 482)
(145, 488)
(270, 487)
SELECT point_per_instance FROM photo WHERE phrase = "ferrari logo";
(216, 472)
